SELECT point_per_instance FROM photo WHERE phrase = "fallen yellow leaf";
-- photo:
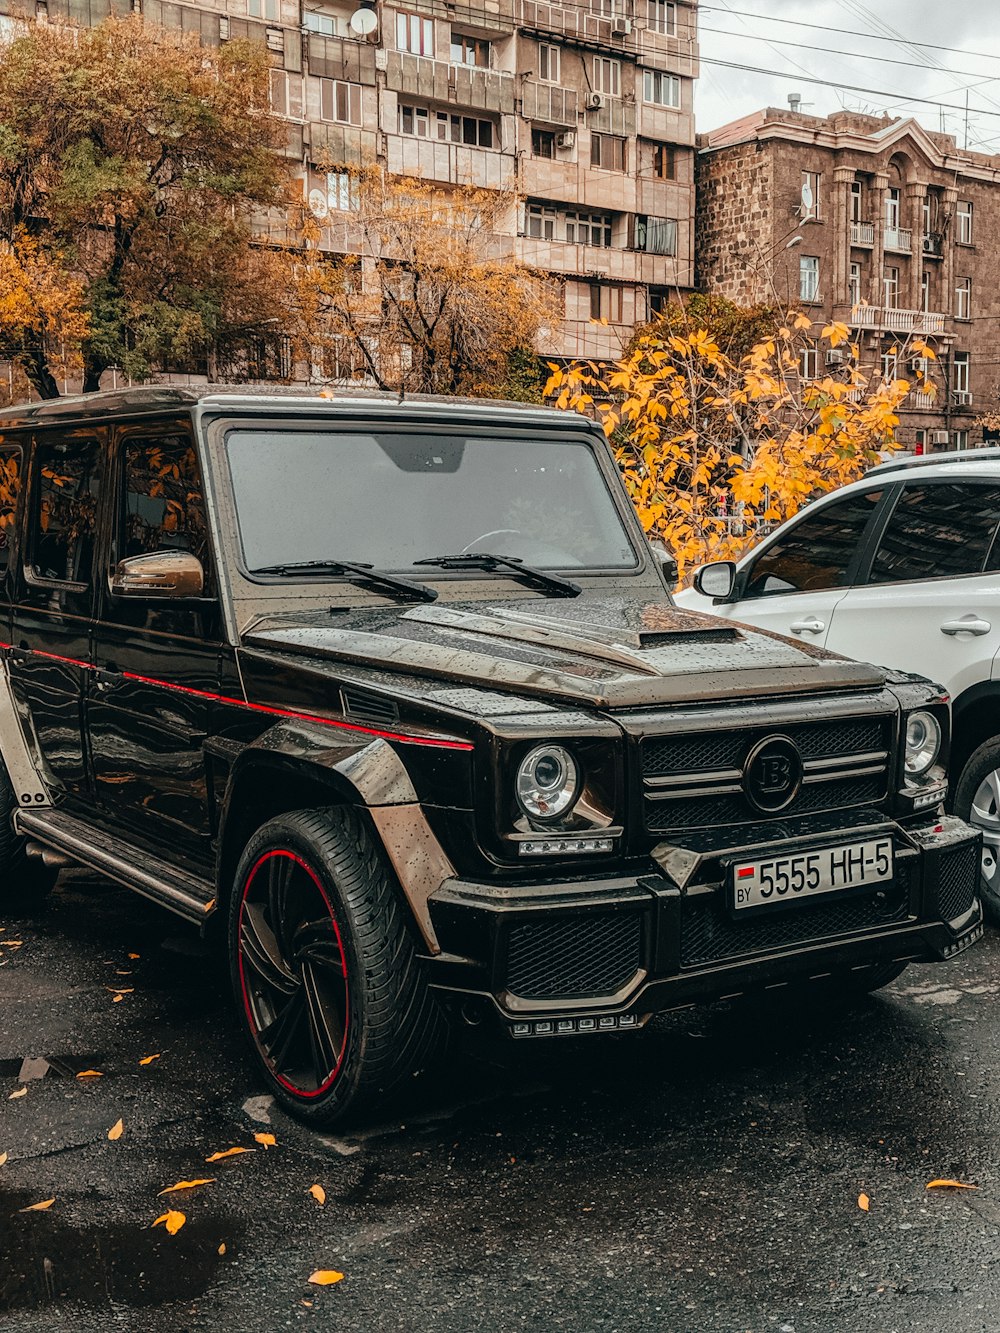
(14, 944)
(318, 1193)
(325, 1277)
(230, 1152)
(117, 999)
(115, 1132)
(864, 1203)
(950, 1184)
(90, 1073)
(172, 1220)
(38, 1207)
(22, 1091)
(148, 1059)
(134, 955)
(187, 1185)
(3, 1158)
(222, 1248)
(266, 1140)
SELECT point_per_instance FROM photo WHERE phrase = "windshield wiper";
(540, 578)
(356, 573)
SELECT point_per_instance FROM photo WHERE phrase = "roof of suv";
(949, 460)
(161, 397)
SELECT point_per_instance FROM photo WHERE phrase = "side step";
(184, 894)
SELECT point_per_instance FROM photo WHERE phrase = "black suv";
(395, 690)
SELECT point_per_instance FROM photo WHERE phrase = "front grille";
(574, 956)
(710, 935)
(958, 880)
(712, 762)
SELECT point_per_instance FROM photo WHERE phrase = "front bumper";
(603, 954)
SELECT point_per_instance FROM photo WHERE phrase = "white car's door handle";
(971, 626)
(808, 626)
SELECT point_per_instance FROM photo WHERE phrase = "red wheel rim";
(293, 973)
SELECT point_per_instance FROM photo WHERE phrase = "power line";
(847, 87)
(843, 32)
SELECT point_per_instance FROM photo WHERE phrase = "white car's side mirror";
(716, 580)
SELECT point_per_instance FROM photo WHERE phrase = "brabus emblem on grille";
(772, 774)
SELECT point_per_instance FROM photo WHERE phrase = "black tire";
(324, 969)
(977, 799)
(24, 880)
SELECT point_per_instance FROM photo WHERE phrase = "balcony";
(863, 233)
(548, 103)
(899, 239)
(441, 81)
(961, 397)
(894, 320)
(340, 58)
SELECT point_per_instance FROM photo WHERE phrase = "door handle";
(971, 626)
(808, 626)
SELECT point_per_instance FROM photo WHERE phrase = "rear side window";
(937, 531)
(817, 550)
(65, 510)
(10, 490)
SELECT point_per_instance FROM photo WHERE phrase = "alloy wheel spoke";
(279, 878)
(262, 951)
(280, 1034)
(318, 942)
(326, 1029)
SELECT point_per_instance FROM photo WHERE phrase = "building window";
(414, 120)
(925, 292)
(540, 222)
(340, 102)
(269, 10)
(543, 143)
(856, 201)
(961, 439)
(324, 24)
(960, 373)
(892, 199)
(658, 300)
(589, 228)
(919, 442)
(661, 89)
(890, 287)
(665, 162)
(809, 197)
(286, 94)
(808, 277)
(661, 16)
(657, 236)
(889, 365)
(415, 34)
(809, 363)
(607, 151)
(548, 63)
(472, 51)
(607, 76)
(342, 191)
(424, 124)
(963, 298)
(964, 234)
(605, 302)
(606, 9)
(854, 285)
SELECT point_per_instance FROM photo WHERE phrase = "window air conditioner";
(621, 27)
(566, 140)
(595, 101)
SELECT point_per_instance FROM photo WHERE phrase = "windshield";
(390, 499)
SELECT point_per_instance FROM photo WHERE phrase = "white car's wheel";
(977, 799)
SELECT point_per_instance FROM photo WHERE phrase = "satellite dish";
(364, 22)
(317, 204)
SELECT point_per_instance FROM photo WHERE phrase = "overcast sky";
(754, 38)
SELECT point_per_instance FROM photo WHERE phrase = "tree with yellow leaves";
(715, 450)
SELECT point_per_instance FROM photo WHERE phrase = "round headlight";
(547, 782)
(923, 741)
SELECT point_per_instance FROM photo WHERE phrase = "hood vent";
(370, 708)
(712, 634)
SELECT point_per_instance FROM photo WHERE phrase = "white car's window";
(816, 550)
(938, 530)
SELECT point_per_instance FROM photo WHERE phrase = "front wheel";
(324, 969)
(977, 799)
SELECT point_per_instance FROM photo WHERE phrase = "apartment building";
(872, 221)
(582, 109)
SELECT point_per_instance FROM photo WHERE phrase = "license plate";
(785, 879)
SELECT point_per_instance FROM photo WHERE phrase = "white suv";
(901, 569)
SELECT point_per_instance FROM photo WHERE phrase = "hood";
(604, 651)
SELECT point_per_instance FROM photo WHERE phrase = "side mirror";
(717, 580)
(665, 559)
(159, 574)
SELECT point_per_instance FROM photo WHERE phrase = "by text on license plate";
(802, 874)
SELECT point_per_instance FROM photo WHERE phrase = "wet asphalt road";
(702, 1176)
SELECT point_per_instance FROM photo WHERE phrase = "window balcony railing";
(862, 233)
(961, 397)
(899, 239)
(895, 320)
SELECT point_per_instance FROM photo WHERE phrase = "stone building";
(872, 221)
(583, 109)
